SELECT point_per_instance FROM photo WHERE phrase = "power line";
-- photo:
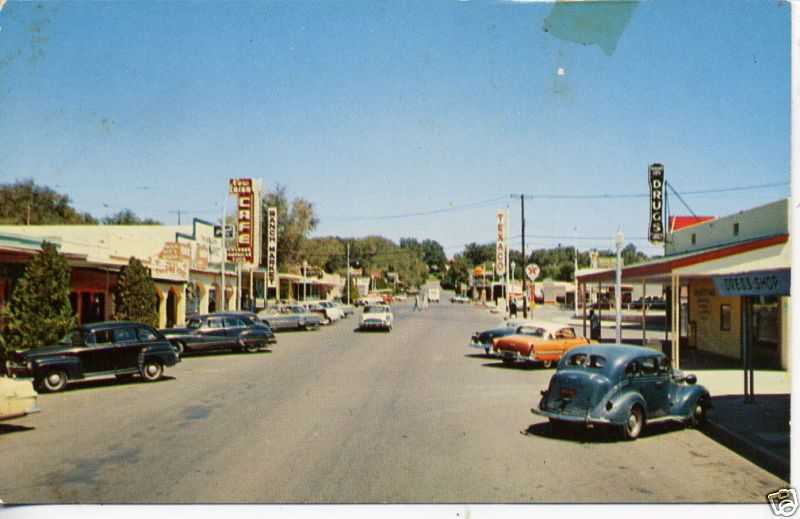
(646, 195)
(422, 213)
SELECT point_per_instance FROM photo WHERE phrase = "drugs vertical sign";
(656, 234)
(272, 247)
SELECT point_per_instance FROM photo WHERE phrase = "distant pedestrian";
(512, 308)
(594, 326)
(416, 304)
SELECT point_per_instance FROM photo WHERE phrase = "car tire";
(547, 364)
(699, 414)
(252, 346)
(327, 321)
(152, 370)
(507, 361)
(634, 423)
(179, 348)
(309, 326)
(54, 381)
(487, 350)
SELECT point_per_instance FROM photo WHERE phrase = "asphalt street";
(339, 416)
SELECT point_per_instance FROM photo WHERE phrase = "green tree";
(353, 289)
(136, 295)
(24, 202)
(296, 220)
(39, 312)
(128, 217)
(433, 255)
(457, 273)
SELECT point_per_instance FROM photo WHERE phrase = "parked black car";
(236, 331)
(118, 348)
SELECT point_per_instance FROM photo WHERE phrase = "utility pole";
(524, 291)
(348, 273)
(221, 295)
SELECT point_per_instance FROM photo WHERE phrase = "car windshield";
(194, 323)
(375, 309)
(74, 338)
(535, 331)
(584, 360)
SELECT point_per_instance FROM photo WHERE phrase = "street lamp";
(619, 239)
(513, 264)
(575, 272)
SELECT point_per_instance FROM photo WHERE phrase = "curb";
(744, 446)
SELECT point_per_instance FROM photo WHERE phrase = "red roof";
(676, 223)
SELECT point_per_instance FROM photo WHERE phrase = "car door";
(98, 356)
(653, 386)
(126, 348)
(212, 334)
(234, 328)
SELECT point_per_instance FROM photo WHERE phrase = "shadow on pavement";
(521, 366)
(582, 434)
(80, 385)
(479, 356)
(11, 428)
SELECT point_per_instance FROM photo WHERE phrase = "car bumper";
(371, 325)
(578, 419)
(481, 346)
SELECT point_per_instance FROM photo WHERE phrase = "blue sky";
(376, 109)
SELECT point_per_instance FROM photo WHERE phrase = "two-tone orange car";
(545, 347)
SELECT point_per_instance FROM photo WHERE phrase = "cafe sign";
(757, 283)
(247, 243)
(656, 234)
(500, 255)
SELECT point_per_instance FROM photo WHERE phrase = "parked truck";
(433, 295)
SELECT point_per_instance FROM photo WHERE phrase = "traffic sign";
(532, 271)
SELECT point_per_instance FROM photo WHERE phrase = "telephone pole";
(524, 284)
(348, 272)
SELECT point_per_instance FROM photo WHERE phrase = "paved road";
(335, 416)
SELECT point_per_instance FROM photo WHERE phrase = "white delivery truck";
(433, 295)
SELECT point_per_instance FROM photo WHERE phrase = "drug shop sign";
(758, 283)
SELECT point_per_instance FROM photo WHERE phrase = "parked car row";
(617, 387)
(126, 349)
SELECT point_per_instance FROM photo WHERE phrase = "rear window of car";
(585, 360)
(194, 323)
(375, 309)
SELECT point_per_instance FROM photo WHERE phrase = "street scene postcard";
(458, 254)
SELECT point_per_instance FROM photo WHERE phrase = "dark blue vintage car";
(236, 331)
(623, 387)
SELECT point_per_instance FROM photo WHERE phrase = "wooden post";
(676, 322)
(644, 313)
(583, 291)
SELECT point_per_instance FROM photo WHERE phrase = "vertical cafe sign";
(500, 256)
(656, 234)
(272, 247)
(247, 249)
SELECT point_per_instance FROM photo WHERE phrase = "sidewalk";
(759, 431)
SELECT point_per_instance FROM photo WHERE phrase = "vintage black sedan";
(623, 387)
(121, 349)
(236, 331)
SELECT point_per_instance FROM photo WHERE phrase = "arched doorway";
(192, 294)
(172, 304)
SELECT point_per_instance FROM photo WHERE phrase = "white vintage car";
(378, 317)
(17, 398)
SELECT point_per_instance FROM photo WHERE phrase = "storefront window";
(725, 318)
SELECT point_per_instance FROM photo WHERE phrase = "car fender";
(686, 397)
(621, 402)
(72, 366)
(159, 352)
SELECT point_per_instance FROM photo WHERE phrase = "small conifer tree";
(39, 312)
(136, 295)
(353, 289)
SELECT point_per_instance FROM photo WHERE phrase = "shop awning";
(760, 254)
